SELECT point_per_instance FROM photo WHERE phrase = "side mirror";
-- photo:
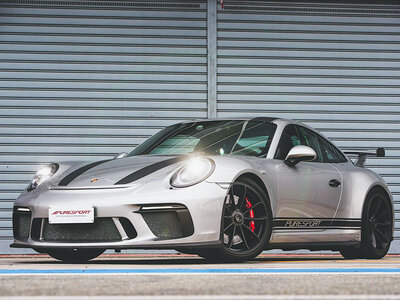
(298, 154)
(120, 155)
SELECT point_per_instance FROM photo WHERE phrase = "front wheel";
(376, 231)
(246, 224)
(74, 255)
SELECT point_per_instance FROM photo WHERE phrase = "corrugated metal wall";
(87, 79)
(334, 66)
(83, 80)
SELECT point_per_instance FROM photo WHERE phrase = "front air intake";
(21, 223)
(171, 223)
(102, 230)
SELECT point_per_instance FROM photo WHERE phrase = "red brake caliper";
(252, 226)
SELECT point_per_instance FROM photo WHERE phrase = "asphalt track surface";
(174, 276)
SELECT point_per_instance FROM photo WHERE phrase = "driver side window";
(288, 140)
(310, 139)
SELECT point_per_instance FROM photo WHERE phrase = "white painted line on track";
(210, 297)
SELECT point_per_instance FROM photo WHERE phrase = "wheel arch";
(380, 188)
(257, 180)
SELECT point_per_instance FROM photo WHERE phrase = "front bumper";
(203, 203)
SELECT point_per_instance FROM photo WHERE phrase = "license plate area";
(71, 215)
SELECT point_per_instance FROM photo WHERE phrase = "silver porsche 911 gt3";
(222, 189)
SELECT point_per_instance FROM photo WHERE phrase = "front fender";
(229, 168)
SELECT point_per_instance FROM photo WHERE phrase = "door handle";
(334, 183)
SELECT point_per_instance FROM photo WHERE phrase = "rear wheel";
(74, 255)
(376, 232)
(246, 225)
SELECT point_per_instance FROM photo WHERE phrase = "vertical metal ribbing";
(212, 58)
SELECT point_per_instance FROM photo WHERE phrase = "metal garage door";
(83, 80)
(334, 66)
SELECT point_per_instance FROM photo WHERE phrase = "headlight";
(194, 171)
(42, 175)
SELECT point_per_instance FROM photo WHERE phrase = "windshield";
(250, 138)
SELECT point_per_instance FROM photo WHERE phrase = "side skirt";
(315, 223)
(315, 234)
(314, 246)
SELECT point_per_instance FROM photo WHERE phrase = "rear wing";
(362, 155)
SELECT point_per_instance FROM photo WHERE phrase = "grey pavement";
(344, 279)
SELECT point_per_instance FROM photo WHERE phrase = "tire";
(206, 253)
(75, 255)
(246, 225)
(189, 251)
(376, 228)
(350, 253)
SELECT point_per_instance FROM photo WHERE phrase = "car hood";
(118, 172)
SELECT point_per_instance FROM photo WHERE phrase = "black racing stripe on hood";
(148, 170)
(70, 177)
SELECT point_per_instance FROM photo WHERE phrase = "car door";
(309, 192)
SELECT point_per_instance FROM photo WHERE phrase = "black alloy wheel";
(377, 224)
(246, 224)
(74, 255)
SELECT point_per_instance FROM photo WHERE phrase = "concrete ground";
(174, 276)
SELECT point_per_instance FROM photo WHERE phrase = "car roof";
(265, 119)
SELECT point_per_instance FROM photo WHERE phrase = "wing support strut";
(362, 155)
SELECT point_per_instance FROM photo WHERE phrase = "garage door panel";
(310, 107)
(16, 176)
(335, 68)
(112, 32)
(110, 94)
(76, 132)
(307, 80)
(182, 11)
(89, 39)
(5, 223)
(43, 158)
(391, 180)
(308, 63)
(357, 128)
(106, 113)
(300, 99)
(89, 141)
(377, 136)
(309, 36)
(305, 71)
(119, 67)
(12, 186)
(101, 58)
(83, 82)
(99, 22)
(102, 77)
(18, 168)
(305, 116)
(5, 214)
(309, 44)
(309, 88)
(308, 53)
(125, 50)
(306, 16)
(5, 234)
(7, 206)
(85, 123)
(285, 25)
(101, 86)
